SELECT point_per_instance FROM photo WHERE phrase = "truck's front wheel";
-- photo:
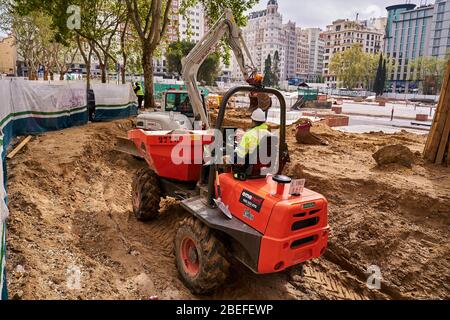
(146, 194)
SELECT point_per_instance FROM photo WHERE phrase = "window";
(177, 102)
(435, 51)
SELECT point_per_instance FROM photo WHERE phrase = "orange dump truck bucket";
(173, 155)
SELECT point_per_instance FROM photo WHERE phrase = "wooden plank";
(19, 147)
(434, 138)
(448, 154)
(444, 139)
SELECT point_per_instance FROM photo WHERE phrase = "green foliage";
(429, 71)
(276, 69)
(380, 77)
(208, 71)
(384, 75)
(354, 68)
(268, 73)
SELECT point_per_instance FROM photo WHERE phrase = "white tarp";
(22, 98)
(32, 107)
(113, 95)
(3, 215)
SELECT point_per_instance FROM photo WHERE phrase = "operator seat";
(261, 159)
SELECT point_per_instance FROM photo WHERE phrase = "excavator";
(187, 110)
(265, 220)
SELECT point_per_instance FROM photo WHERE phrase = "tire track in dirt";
(73, 205)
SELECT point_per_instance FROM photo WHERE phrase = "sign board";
(297, 187)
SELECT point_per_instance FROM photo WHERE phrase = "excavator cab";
(179, 101)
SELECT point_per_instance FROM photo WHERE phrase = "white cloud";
(320, 13)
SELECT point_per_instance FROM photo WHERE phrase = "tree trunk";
(123, 69)
(147, 63)
(52, 76)
(46, 75)
(103, 71)
(88, 76)
(61, 76)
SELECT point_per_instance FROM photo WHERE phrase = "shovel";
(222, 207)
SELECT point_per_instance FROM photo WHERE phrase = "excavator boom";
(225, 26)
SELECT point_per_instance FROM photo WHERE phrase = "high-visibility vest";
(251, 140)
(140, 91)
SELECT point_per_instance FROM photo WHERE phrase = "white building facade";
(342, 35)
(264, 35)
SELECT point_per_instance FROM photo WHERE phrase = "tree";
(33, 36)
(64, 57)
(113, 14)
(378, 87)
(96, 29)
(151, 20)
(383, 77)
(268, 75)
(208, 71)
(276, 70)
(430, 71)
(354, 68)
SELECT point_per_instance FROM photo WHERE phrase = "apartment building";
(342, 35)
(414, 32)
(264, 35)
(8, 56)
(316, 50)
(302, 60)
(190, 27)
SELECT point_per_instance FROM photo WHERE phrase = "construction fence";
(29, 107)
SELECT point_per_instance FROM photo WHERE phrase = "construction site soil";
(71, 212)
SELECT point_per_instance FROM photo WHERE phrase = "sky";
(320, 13)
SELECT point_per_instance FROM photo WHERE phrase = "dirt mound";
(394, 154)
(71, 214)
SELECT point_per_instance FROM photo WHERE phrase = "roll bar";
(220, 119)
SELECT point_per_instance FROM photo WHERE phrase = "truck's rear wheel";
(146, 194)
(200, 257)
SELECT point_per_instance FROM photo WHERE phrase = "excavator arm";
(226, 25)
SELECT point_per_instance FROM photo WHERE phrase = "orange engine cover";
(294, 228)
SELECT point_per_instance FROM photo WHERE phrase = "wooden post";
(438, 139)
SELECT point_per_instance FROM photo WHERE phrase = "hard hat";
(259, 115)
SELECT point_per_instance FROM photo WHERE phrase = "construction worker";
(139, 91)
(245, 160)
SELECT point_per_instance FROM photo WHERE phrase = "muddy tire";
(200, 257)
(146, 194)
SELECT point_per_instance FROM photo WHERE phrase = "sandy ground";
(71, 211)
